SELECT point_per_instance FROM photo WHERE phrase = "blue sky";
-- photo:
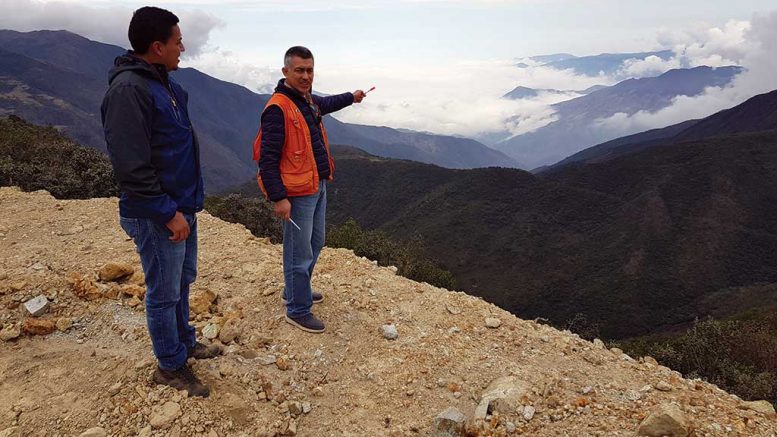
(442, 66)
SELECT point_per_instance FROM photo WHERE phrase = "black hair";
(298, 51)
(148, 25)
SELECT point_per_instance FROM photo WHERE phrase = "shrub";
(254, 213)
(408, 257)
(41, 158)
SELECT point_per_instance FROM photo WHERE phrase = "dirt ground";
(94, 369)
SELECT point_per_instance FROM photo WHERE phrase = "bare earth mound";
(90, 370)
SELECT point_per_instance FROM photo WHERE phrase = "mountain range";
(578, 124)
(607, 64)
(58, 78)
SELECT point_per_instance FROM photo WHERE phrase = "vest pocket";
(298, 184)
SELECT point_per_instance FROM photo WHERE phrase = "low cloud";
(749, 44)
(101, 23)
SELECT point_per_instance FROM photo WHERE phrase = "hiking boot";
(181, 379)
(201, 351)
(308, 323)
(317, 297)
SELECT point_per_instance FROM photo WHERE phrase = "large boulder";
(666, 420)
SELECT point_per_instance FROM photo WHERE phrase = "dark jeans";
(301, 249)
(169, 268)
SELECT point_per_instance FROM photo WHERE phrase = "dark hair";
(150, 24)
(298, 51)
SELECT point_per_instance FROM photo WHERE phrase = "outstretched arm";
(337, 102)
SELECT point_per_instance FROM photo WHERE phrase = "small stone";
(453, 309)
(291, 429)
(268, 292)
(665, 420)
(267, 359)
(295, 408)
(133, 302)
(213, 433)
(64, 323)
(306, 407)
(763, 407)
(114, 389)
(200, 301)
(33, 326)
(38, 267)
(493, 322)
(145, 432)
(114, 271)
(10, 332)
(449, 423)
(37, 306)
(134, 290)
(210, 331)
(94, 432)
(633, 395)
(318, 392)
(230, 331)
(248, 354)
(282, 364)
(528, 412)
(663, 386)
(390, 332)
(163, 416)
(510, 427)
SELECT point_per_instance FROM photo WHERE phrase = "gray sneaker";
(307, 323)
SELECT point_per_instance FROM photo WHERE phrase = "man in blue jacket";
(294, 165)
(156, 163)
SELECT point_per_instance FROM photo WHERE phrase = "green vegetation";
(255, 213)
(408, 257)
(738, 355)
(41, 158)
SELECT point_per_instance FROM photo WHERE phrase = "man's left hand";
(358, 96)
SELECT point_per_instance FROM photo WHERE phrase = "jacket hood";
(131, 62)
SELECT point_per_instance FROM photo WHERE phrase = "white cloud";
(648, 67)
(750, 45)
(106, 23)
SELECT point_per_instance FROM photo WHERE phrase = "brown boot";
(181, 379)
(201, 351)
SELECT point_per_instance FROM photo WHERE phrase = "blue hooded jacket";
(151, 142)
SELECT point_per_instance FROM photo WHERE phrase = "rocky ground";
(82, 366)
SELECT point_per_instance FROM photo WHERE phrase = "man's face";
(299, 74)
(170, 51)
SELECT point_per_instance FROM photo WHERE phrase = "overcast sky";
(438, 66)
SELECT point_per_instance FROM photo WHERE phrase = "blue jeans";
(169, 269)
(301, 249)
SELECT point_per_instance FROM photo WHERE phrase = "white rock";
(94, 432)
(528, 412)
(210, 331)
(390, 332)
(37, 306)
(663, 386)
(493, 322)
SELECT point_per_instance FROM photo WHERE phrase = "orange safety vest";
(298, 165)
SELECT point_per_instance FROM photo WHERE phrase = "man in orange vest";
(294, 164)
